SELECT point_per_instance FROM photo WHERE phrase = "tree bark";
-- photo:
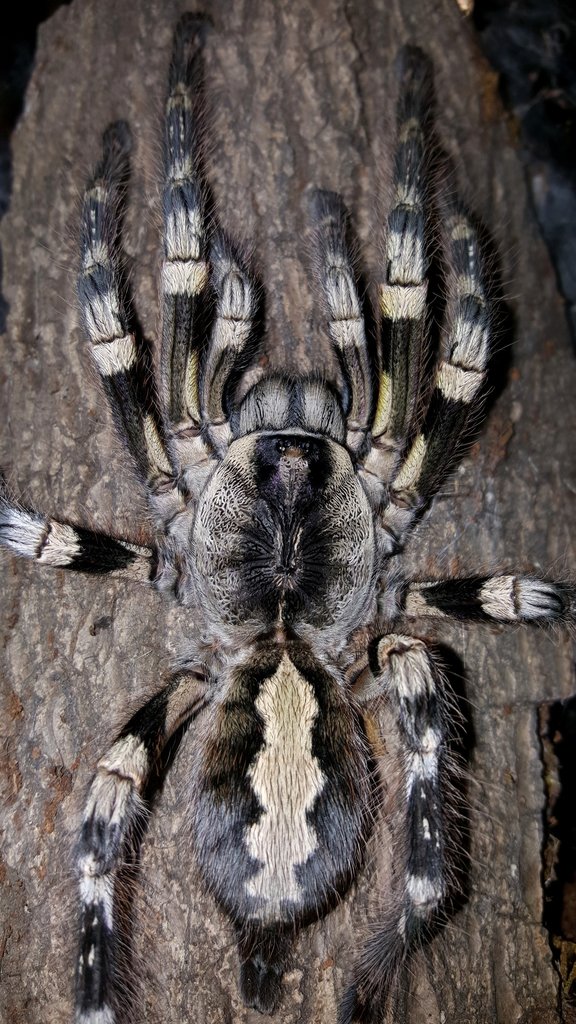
(299, 95)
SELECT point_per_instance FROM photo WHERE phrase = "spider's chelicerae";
(279, 516)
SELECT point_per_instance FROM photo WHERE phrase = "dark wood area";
(299, 94)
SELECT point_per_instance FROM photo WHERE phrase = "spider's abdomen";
(284, 534)
(281, 804)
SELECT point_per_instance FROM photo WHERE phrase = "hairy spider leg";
(209, 301)
(502, 598)
(406, 674)
(402, 295)
(47, 541)
(457, 392)
(234, 336)
(345, 321)
(122, 364)
(113, 810)
(186, 296)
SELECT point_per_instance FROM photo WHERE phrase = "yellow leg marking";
(154, 445)
(383, 405)
(191, 387)
(410, 471)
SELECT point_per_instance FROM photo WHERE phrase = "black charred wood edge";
(532, 44)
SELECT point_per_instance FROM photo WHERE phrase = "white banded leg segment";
(99, 281)
(413, 684)
(345, 321)
(403, 309)
(403, 343)
(113, 807)
(113, 810)
(124, 368)
(403, 293)
(233, 338)
(61, 545)
(506, 599)
(185, 271)
(185, 312)
(126, 381)
(404, 672)
(457, 393)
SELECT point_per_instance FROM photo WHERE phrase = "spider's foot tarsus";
(263, 961)
(116, 149)
(539, 599)
(352, 1009)
(260, 985)
(103, 1015)
(192, 28)
(506, 598)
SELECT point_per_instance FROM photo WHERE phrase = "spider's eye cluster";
(293, 448)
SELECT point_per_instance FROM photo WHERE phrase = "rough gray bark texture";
(299, 94)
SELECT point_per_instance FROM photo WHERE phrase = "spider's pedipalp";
(234, 334)
(503, 598)
(113, 808)
(122, 364)
(345, 320)
(457, 392)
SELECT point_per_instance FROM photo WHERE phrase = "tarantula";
(278, 517)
